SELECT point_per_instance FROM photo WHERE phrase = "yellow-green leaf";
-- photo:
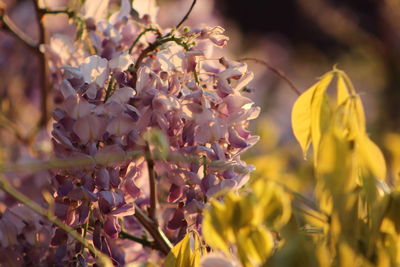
(185, 254)
(273, 204)
(335, 164)
(359, 110)
(214, 229)
(320, 111)
(255, 245)
(371, 157)
(342, 92)
(301, 119)
(306, 113)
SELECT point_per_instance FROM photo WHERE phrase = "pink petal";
(77, 106)
(125, 210)
(111, 227)
(89, 128)
(207, 182)
(175, 192)
(132, 189)
(235, 140)
(122, 95)
(121, 125)
(177, 219)
(103, 179)
(95, 69)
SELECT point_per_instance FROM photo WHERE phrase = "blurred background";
(301, 38)
(305, 38)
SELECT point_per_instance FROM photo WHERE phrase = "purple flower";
(105, 108)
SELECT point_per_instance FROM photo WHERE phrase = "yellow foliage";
(314, 118)
(392, 144)
(354, 221)
(186, 253)
(245, 221)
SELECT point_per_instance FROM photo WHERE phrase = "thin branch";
(110, 88)
(153, 46)
(140, 36)
(196, 77)
(153, 187)
(6, 187)
(187, 14)
(146, 243)
(76, 162)
(278, 72)
(69, 13)
(8, 25)
(13, 128)
(163, 244)
(44, 69)
(79, 162)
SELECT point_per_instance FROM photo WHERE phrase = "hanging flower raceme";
(127, 99)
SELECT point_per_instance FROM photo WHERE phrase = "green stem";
(85, 229)
(109, 90)
(144, 242)
(154, 46)
(140, 36)
(196, 77)
(71, 162)
(6, 187)
(107, 159)
(70, 14)
(204, 166)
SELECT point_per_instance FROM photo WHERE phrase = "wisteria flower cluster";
(162, 122)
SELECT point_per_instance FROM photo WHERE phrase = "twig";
(153, 187)
(187, 14)
(154, 46)
(125, 235)
(79, 162)
(140, 36)
(44, 69)
(8, 24)
(6, 187)
(12, 127)
(76, 162)
(110, 88)
(161, 40)
(196, 77)
(274, 70)
(69, 13)
(160, 239)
